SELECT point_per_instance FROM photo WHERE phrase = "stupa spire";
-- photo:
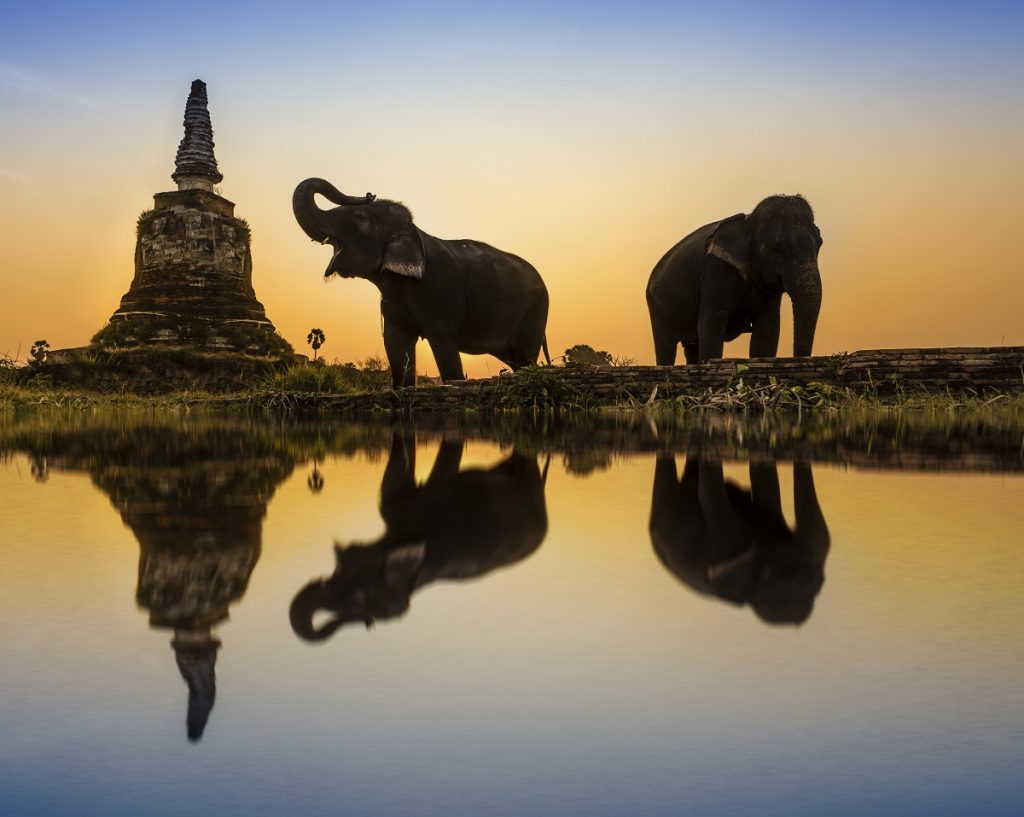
(195, 166)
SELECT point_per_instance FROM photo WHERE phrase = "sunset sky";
(586, 137)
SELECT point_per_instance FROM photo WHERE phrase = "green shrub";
(9, 374)
(37, 355)
(583, 355)
(539, 387)
(312, 378)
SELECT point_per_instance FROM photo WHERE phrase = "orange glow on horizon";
(918, 210)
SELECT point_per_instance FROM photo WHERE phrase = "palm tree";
(316, 338)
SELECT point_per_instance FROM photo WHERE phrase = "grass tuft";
(539, 387)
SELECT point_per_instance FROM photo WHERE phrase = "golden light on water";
(909, 656)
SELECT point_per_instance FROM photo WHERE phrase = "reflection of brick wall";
(198, 518)
(183, 588)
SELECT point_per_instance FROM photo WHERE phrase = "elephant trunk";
(804, 290)
(310, 599)
(311, 218)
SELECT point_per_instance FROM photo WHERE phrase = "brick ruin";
(880, 372)
(193, 265)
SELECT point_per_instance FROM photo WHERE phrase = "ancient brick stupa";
(193, 268)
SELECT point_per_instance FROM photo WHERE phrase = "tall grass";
(326, 378)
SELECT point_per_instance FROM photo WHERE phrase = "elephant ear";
(730, 242)
(404, 255)
(403, 563)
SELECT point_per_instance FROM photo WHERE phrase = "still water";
(234, 616)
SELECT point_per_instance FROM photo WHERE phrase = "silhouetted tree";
(375, 363)
(315, 481)
(37, 354)
(583, 355)
(316, 338)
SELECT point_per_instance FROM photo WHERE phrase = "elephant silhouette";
(459, 524)
(733, 543)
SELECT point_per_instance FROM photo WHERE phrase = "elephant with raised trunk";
(459, 524)
(461, 295)
(728, 278)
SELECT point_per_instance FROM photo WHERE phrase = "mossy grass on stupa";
(141, 372)
(174, 331)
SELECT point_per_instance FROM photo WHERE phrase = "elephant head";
(369, 236)
(370, 582)
(775, 248)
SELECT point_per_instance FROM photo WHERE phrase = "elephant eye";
(778, 250)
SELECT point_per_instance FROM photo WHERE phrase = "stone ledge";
(882, 372)
(194, 199)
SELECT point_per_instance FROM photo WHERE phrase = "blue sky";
(539, 127)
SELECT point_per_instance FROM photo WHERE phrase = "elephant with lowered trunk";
(728, 278)
(462, 296)
(725, 541)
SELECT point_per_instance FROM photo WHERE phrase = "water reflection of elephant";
(459, 524)
(733, 543)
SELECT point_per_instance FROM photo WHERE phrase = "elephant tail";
(544, 346)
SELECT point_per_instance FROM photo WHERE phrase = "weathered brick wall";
(193, 262)
(979, 368)
(193, 282)
(881, 371)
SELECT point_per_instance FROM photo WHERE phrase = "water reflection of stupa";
(198, 517)
(195, 498)
(188, 586)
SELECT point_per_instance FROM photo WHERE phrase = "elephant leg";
(764, 337)
(731, 547)
(810, 522)
(691, 351)
(513, 360)
(446, 464)
(526, 346)
(446, 353)
(400, 473)
(665, 494)
(400, 347)
(665, 343)
(711, 334)
(520, 357)
(767, 497)
(726, 531)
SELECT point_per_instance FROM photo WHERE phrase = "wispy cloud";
(31, 82)
(17, 178)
